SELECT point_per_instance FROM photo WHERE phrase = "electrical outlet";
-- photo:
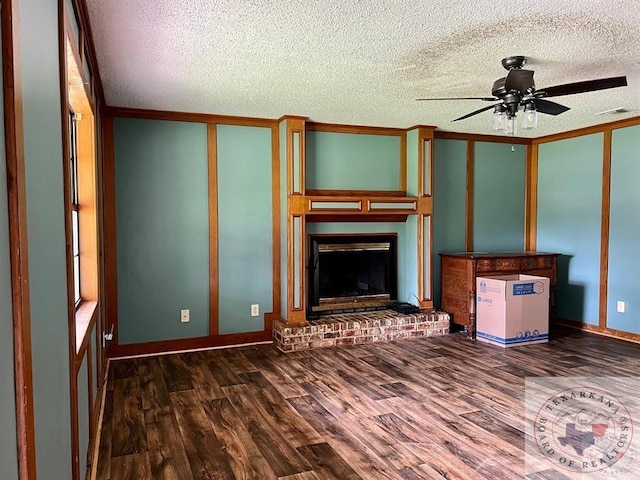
(184, 316)
(621, 306)
(255, 310)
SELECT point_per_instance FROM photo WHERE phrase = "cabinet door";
(456, 288)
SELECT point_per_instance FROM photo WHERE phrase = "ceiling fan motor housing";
(516, 61)
(498, 89)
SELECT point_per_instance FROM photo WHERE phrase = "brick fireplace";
(357, 328)
(353, 234)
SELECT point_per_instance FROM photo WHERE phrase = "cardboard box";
(512, 310)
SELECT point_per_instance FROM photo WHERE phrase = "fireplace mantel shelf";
(366, 206)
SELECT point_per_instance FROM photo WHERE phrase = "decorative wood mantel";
(413, 204)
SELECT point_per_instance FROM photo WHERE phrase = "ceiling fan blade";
(548, 107)
(484, 109)
(582, 87)
(484, 99)
(519, 80)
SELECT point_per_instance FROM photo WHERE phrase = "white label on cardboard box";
(533, 288)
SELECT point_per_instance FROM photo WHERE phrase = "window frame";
(82, 202)
(74, 206)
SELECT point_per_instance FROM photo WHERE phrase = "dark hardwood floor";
(422, 408)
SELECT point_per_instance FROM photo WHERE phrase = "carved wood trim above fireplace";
(360, 208)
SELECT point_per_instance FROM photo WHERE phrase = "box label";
(534, 288)
(519, 339)
(484, 288)
(485, 300)
(523, 289)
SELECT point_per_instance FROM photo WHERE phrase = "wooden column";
(293, 183)
(423, 186)
(531, 198)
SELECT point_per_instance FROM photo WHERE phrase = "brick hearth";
(363, 327)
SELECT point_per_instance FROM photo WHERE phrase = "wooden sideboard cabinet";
(458, 279)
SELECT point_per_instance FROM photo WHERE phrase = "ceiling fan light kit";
(499, 118)
(529, 116)
(517, 91)
(506, 121)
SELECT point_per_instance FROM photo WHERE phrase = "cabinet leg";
(471, 330)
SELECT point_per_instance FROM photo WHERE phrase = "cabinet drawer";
(498, 265)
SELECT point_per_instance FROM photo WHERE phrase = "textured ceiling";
(363, 62)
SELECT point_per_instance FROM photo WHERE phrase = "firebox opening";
(351, 272)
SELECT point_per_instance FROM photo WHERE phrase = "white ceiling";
(363, 62)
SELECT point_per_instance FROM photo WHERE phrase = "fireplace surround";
(348, 273)
(339, 189)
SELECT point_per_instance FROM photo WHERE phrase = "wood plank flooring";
(422, 408)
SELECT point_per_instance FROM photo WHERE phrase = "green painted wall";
(163, 229)
(96, 366)
(46, 236)
(410, 275)
(449, 203)
(245, 226)
(569, 213)
(426, 173)
(403, 244)
(624, 230)
(343, 161)
(83, 416)
(8, 445)
(570, 171)
(412, 163)
(498, 197)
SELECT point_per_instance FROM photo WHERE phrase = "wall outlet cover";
(184, 316)
(255, 310)
(621, 306)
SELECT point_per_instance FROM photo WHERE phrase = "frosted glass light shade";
(512, 126)
(499, 121)
(529, 119)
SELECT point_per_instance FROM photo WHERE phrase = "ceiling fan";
(517, 91)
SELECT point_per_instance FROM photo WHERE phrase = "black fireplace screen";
(351, 271)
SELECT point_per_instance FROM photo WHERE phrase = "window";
(75, 205)
(82, 208)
